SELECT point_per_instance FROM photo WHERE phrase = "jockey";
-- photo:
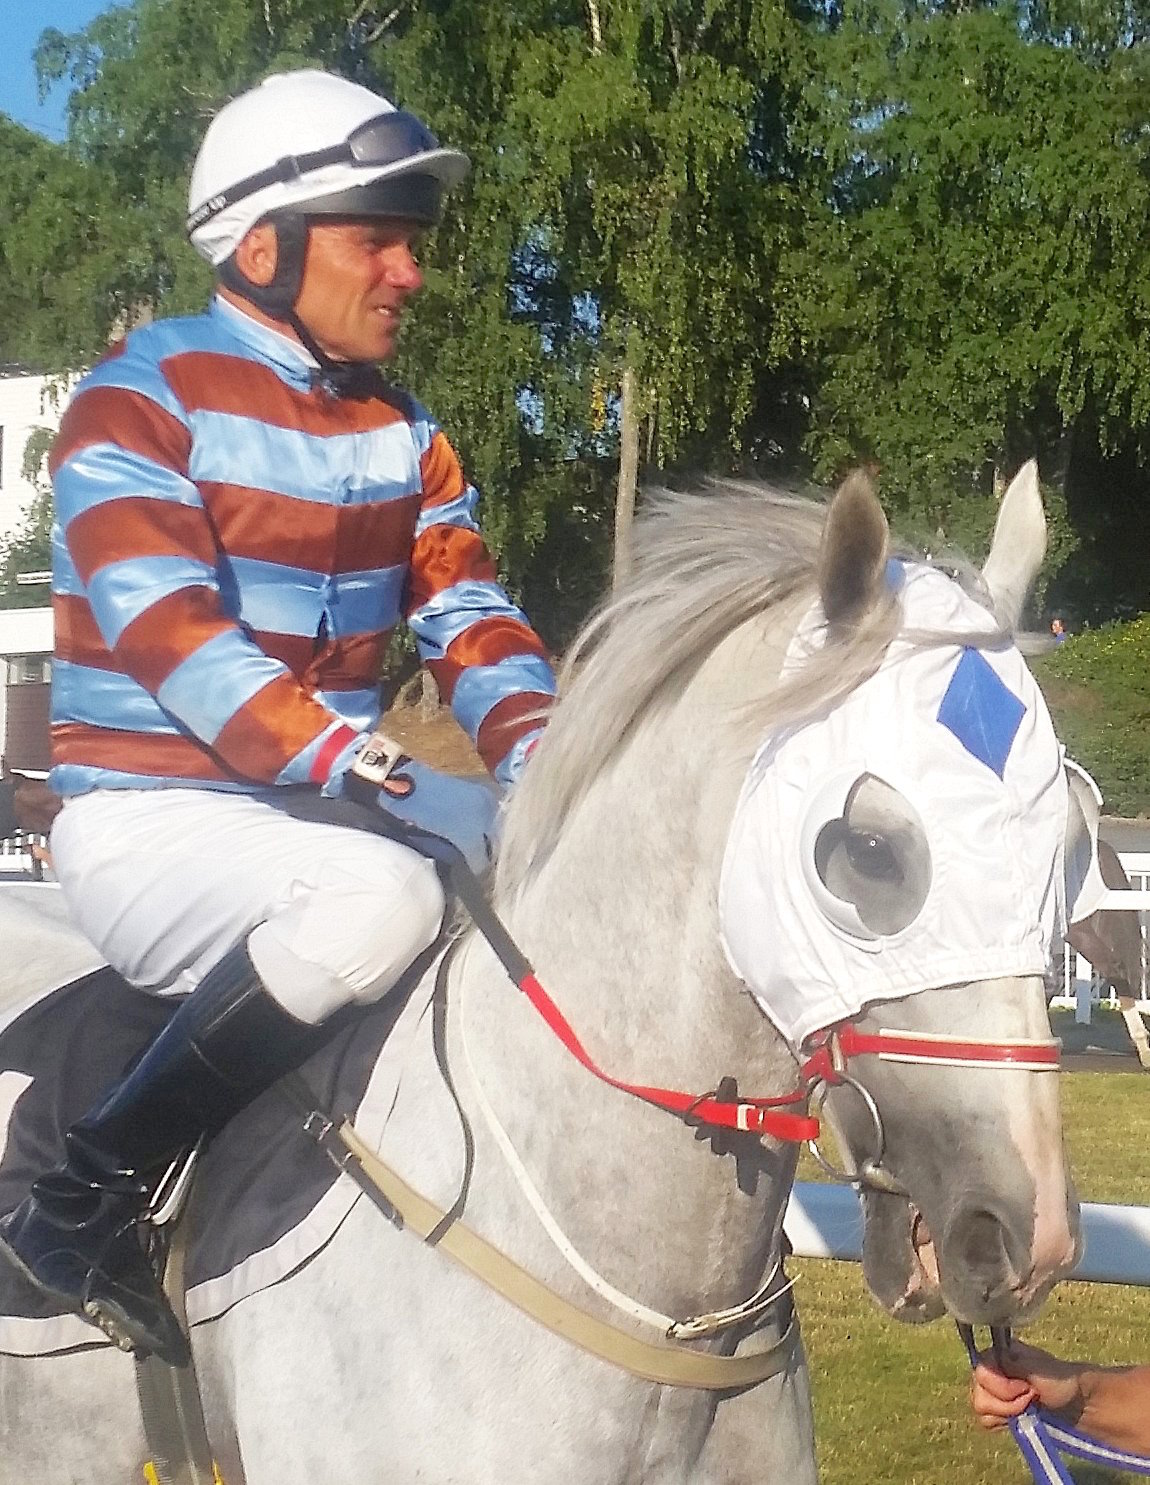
(245, 508)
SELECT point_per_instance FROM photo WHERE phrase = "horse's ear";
(852, 558)
(1018, 547)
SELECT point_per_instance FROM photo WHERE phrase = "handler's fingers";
(996, 1398)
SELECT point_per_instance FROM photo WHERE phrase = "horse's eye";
(872, 856)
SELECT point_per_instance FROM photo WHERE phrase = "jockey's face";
(357, 279)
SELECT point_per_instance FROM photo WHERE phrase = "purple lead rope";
(1041, 1438)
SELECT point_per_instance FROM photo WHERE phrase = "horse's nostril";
(979, 1243)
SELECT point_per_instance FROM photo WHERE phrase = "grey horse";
(380, 1360)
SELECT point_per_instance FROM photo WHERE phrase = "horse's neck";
(621, 923)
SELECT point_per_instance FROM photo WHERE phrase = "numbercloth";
(266, 1198)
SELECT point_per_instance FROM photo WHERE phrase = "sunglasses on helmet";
(384, 140)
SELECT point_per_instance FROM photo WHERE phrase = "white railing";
(16, 855)
(825, 1221)
(1082, 986)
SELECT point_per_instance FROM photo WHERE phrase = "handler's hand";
(1029, 1375)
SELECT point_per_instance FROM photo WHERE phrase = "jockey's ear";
(852, 557)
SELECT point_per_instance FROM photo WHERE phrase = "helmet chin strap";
(278, 299)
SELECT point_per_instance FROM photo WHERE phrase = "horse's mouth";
(922, 1297)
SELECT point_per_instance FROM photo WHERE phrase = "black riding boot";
(77, 1236)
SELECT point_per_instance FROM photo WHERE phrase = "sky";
(23, 22)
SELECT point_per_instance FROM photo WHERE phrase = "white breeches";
(165, 881)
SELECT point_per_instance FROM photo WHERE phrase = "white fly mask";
(907, 838)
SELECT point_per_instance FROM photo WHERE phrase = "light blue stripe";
(102, 698)
(453, 610)
(176, 337)
(67, 779)
(510, 766)
(237, 334)
(480, 687)
(423, 427)
(65, 578)
(358, 709)
(122, 591)
(366, 602)
(137, 370)
(457, 512)
(291, 600)
(103, 472)
(208, 688)
(339, 469)
(280, 599)
(298, 771)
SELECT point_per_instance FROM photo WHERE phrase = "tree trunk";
(428, 697)
(596, 26)
(628, 476)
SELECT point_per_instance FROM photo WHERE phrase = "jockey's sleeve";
(137, 591)
(486, 659)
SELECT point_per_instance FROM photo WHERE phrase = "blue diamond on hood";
(982, 711)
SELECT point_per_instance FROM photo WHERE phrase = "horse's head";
(891, 888)
(894, 862)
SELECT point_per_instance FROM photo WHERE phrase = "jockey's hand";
(462, 811)
(1027, 1375)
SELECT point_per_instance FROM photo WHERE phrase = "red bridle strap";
(841, 1043)
(754, 1115)
(767, 1116)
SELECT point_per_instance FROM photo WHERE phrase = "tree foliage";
(980, 288)
(910, 233)
(28, 549)
(1098, 688)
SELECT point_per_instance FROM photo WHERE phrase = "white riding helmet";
(313, 141)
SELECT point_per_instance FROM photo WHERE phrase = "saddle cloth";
(266, 1197)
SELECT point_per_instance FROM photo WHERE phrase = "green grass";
(891, 1400)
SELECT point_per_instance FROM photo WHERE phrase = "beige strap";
(672, 1366)
(170, 1406)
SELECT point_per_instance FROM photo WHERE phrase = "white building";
(26, 669)
(27, 402)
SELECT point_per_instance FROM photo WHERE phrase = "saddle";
(266, 1196)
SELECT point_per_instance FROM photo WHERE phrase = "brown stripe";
(127, 419)
(165, 634)
(491, 640)
(208, 381)
(444, 555)
(271, 728)
(138, 527)
(508, 721)
(151, 754)
(351, 663)
(296, 651)
(307, 534)
(78, 637)
(442, 477)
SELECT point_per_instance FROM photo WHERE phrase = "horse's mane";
(707, 560)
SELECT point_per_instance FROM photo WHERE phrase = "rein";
(825, 1067)
(1041, 1436)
